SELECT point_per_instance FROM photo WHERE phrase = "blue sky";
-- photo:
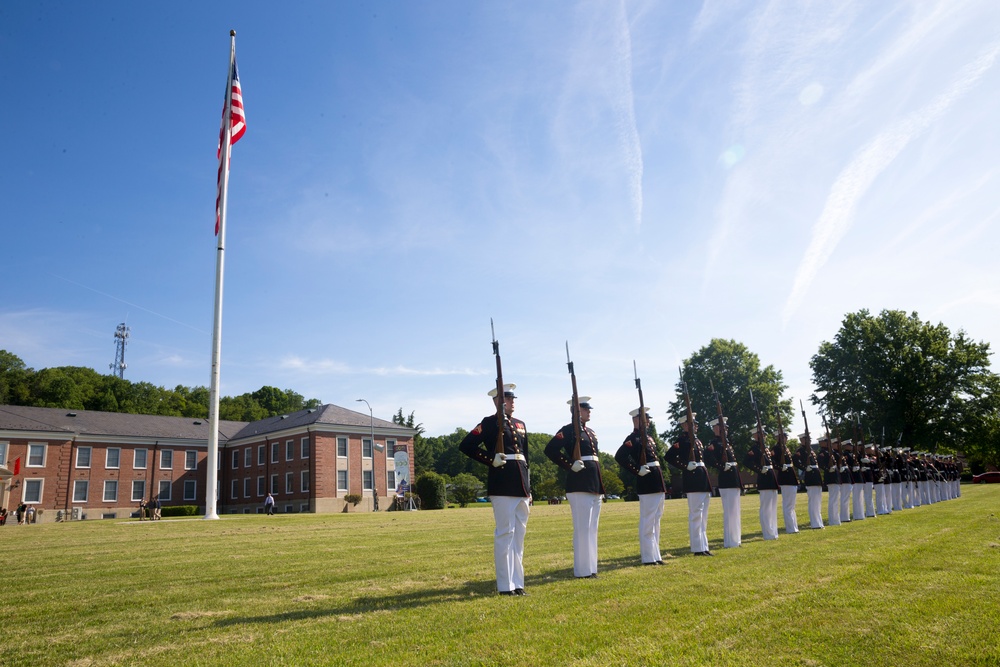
(635, 178)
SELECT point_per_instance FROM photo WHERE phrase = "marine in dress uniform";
(854, 455)
(828, 463)
(721, 456)
(807, 463)
(845, 461)
(687, 454)
(758, 459)
(787, 481)
(584, 488)
(868, 475)
(882, 481)
(508, 487)
(898, 471)
(638, 455)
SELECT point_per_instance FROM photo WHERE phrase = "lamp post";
(371, 416)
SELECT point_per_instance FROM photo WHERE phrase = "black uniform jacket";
(693, 481)
(785, 477)
(560, 450)
(628, 457)
(718, 454)
(511, 479)
(755, 460)
(803, 458)
(828, 463)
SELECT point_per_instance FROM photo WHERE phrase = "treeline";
(80, 388)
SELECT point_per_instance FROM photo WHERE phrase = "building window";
(305, 481)
(234, 489)
(390, 448)
(246, 487)
(366, 480)
(342, 446)
(3, 453)
(304, 507)
(36, 456)
(32, 490)
(83, 457)
(274, 484)
(342, 480)
(113, 459)
(289, 450)
(248, 457)
(139, 459)
(110, 491)
(190, 459)
(274, 451)
(166, 459)
(81, 488)
(390, 480)
(166, 490)
(236, 459)
(190, 489)
(304, 451)
(261, 455)
(289, 479)
(138, 490)
(366, 448)
(260, 486)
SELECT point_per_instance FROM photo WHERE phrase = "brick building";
(84, 464)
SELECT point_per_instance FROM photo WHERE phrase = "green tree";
(914, 378)
(431, 488)
(465, 488)
(734, 371)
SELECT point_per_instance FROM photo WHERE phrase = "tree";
(431, 488)
(735, 371)
(420, 458)
(914, 378)
(465, 488)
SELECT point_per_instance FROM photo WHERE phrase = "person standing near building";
(758, 459)
(721, 456)
(808, 465)
(584, 487)
(507, 484)
(269, 505)
(638, 456)
(687, 454)
(155, 505)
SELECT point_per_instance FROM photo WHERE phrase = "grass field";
(919, 587)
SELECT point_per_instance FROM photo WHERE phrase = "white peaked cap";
(635, 413)
(507, 389)
(715, 422)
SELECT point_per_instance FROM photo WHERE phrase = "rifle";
(841, 459)
(764, 455)
(690, 416)
(804, 419)
(577, 427)
(643, 424)
(727, 450)
(782, 443)
(812, 455)
(501, 415)
(826, 430)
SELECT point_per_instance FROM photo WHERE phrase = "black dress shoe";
(520, 591)
(659, 562)
(505, 592)
(649, 563)
(592, 576)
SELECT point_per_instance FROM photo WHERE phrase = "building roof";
(93, 423)
(327, 415)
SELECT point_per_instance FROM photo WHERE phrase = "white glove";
(499, 460)
(692, 465)
(765, 469)
(643, 471)
(833, 468)
(577, 466)
(785, 467)
(730, 465)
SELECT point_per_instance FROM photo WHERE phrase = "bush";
(353, 498)
(430, 487)
(179, 510)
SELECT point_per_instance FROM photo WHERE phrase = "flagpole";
(212, 478)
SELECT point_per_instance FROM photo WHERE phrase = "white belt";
(590, 458)
(843, 468)
(730, 465)
(785, 467)
(653, 464)
(855, 468)
(699, 464)
(515, 457)
(812, 467)
(833, 468)
(766, 469)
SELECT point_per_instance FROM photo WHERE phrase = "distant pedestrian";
(155, 506)
(269, 505)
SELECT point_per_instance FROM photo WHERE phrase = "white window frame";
(38, 483)
(248, 457)
(342, 474)
(304, 451)
(166, 459)
(390, 447)
(261, 455)
(118, 458)
(367, 448)
(90, 457)
(36, 446)
(261, 486)
(81, 484)
(304, 481)
(141, 485)
(289, 450)
(169, 486)
(347, 446)
(234, 489)
(3, 453)
(246, 487)
(236, 459)
(274, 451)
(108, 485)
(367, 480)
(390, 480)
(193, 485)
(289, 483)
(274, 484)
(135, 458)
(190, 454)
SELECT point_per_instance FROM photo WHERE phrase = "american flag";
(238, 125)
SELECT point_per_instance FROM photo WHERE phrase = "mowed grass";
(919, 587)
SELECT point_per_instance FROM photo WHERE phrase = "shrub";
(430, 487)
(179, 510)
(353, 498)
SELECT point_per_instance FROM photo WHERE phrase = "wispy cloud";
(335, 367)
(855, 180)
(624, 103)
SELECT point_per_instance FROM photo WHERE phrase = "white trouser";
(698, 520)
(880, 503)
(869, 502)
(934, 492)
(815, 496)
(586, 509)
(833, 505)
(908, 495)
(732, 525)
(769, 514)
(858, 501)
(788, 492)
(845, 501)
(511, 516)
(650, 511)
(897, 496)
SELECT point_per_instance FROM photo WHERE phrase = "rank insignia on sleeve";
(559, 435)
(478, 429)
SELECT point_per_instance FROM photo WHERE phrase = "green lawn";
(919, 587)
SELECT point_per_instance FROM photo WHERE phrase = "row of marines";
(862, 481)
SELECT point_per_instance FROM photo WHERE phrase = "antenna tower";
(121, 338)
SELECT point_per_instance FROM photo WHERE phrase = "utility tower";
(121, 338)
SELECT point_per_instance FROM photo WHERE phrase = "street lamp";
(371, 416)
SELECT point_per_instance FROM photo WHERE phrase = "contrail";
(854, 181)
(625, 112)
